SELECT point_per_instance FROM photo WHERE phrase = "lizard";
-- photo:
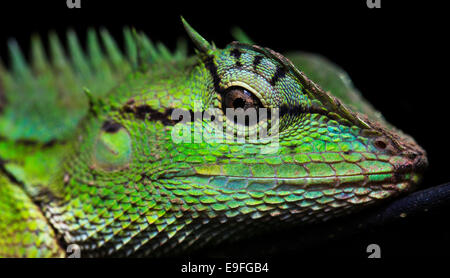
(88, 156)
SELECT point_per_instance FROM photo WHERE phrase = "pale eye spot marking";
(112, 149)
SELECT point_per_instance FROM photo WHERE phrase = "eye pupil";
(239, 103)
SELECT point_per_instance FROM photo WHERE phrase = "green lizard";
(88, 156)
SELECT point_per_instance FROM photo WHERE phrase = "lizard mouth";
(358, 179)
(330, 193)
(397, 172)
(379, 184)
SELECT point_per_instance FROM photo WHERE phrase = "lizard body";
(102, 170)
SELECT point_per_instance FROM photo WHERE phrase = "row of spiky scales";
(45, 99)
(41, 102)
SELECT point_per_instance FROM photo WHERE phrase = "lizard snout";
(414, 161)
(419, 160)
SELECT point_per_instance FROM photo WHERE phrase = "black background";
(396, 56)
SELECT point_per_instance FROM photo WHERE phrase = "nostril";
(412, 155)
(380, 144)
(419, 160)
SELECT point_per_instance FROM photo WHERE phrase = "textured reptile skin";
(101, 169)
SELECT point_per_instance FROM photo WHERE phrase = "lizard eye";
(238, 97)
(241, 106)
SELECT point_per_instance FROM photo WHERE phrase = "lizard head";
(300, 146)
(236, 135)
